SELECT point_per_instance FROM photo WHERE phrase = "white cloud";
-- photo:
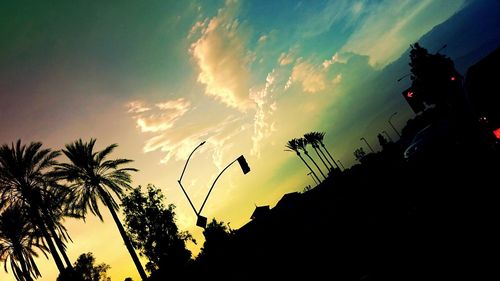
(263, 38)
(263, 126)
(286, 58)
(162, 119)
(312, 78)
(223, 60)
(391, 26)
(137, 107)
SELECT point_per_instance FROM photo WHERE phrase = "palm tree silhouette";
(320, 136)
(18, 241)
(292, 146)
(57, 204)
(24, 181)
(93, 178)
(301, 143)
(311, 139)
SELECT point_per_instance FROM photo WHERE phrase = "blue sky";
(159, 77)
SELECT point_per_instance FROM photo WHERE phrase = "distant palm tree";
(93, 178)
(320, 137)
(311, 139)
(301, 143)
(24, 181)
(293, 146)
(18, 241)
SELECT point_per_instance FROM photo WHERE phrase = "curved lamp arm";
(244, 167)
(182, 174)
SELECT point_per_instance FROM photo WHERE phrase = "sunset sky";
(160, 77)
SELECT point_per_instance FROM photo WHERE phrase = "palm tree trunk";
(316, 176)
(41, 225)
(307, 154)
(324, 147)
(24, 267)
(59, 243)
(126, 240)
(321, 158)
(326, 158)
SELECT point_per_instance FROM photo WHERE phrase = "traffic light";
(414, 99)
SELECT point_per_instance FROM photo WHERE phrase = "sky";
(160, 77)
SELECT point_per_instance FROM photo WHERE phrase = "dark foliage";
(152, 228)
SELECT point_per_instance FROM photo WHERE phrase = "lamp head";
(243, 164)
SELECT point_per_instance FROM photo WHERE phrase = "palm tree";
(301, 143)
(292, 145)
(320, 137)
(24, 181)
(93, 178)
(313, 141)
(57, 204)
(18, 240)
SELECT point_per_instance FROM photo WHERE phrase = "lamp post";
(310, 174)
(182, 174)
(367, 144)
(387, 135)
(244, 168)
(201, 220)
(338, 160)
(392, 126)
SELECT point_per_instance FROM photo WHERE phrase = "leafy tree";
(359, 154)
(382, 141)
(24, 180)
(95, 178)
(217, 236)
(292, 145)
(433, 75)
(18, 241)
(152, 229)
(320, 136)
(85, 269)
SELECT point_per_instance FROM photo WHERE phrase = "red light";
(409, 94)
(453, 78)
(497, 133)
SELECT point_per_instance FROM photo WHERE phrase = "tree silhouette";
(24, 181)
(86, 270)
(292, 145)
(359, 154)
(433, 75)
(93, 178)
(217, 236)
(301, 144)
(382, 141)
(18, 241)
(153, 230)
(320, 136)
(312, 139)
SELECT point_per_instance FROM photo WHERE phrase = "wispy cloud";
(222, 58)
(263, 126)
(391, 26)
(161, 119)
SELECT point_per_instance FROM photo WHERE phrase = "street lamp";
(392, 126)
(338, 160)
(182, 174)
(201, 220)
(310, 174)
(244, 168)
(367, 144)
